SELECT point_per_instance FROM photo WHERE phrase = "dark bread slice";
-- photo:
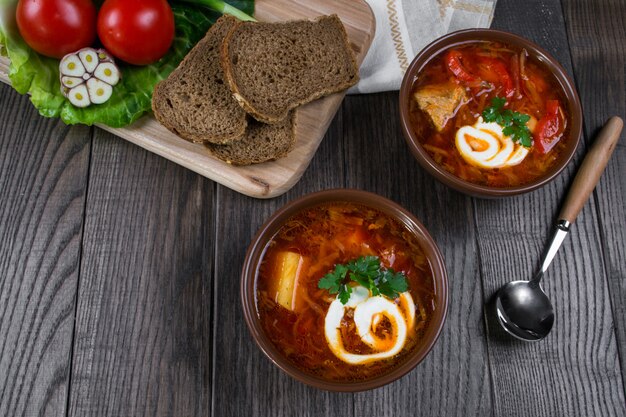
(261, 142)
(272, 68)
(194, 101)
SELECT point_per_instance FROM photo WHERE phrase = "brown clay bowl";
(270, 228)
(536, 52)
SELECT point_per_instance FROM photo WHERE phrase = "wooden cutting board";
(269, 179)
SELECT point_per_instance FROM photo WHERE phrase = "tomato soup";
(382, 319)
(490, 114)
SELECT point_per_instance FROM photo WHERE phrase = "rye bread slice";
(272, 68)
(261, 142)
(194, 101)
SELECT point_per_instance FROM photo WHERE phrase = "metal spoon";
(523, 309)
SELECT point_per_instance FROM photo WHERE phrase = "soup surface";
(370, 333)
(490, 114)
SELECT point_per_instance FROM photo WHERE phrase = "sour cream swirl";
(368, 311)
(484, 145)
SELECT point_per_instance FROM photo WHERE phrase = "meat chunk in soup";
(440, 101)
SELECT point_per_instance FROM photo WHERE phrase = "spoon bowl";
(524, 310)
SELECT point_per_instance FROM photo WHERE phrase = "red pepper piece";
(454, 61)
(496, 72)
(548, 128)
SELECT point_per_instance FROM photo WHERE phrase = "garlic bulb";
(88, 76)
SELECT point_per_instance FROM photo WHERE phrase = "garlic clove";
(71, 65)
(107, 72)
(79, 96)
(99, 91)
(104, 56)
(71, 82)
(89, 59)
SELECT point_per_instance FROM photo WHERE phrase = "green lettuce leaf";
(39, 76)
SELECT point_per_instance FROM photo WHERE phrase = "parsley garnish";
(365, 271)
(514, 123)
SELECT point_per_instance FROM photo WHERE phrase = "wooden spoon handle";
(591, 169)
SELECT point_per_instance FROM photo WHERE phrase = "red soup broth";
(488, 70)
(326, 235)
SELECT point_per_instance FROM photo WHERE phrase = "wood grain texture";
(245, 382)
(143, 326)
(43, 172)
(378, 160)
(559, 375)
(271, 178)
(591, 169)
(596, 33)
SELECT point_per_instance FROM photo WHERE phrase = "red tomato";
(494, 70)
(548, 128)
(454, 61)
(136, 31)
(56, 27)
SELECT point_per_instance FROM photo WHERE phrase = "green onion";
(222, 7)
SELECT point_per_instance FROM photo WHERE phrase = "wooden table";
(119, 271)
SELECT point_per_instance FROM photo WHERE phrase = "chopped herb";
(392, 283)
(333, 280)
(368, 272)
(514, 123)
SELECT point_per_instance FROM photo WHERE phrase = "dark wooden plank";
(246, 383)
(453, 380)
(143, 322)
(43, 177)
(599, 67)
(575, 371)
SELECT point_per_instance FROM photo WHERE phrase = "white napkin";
(404, 27)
